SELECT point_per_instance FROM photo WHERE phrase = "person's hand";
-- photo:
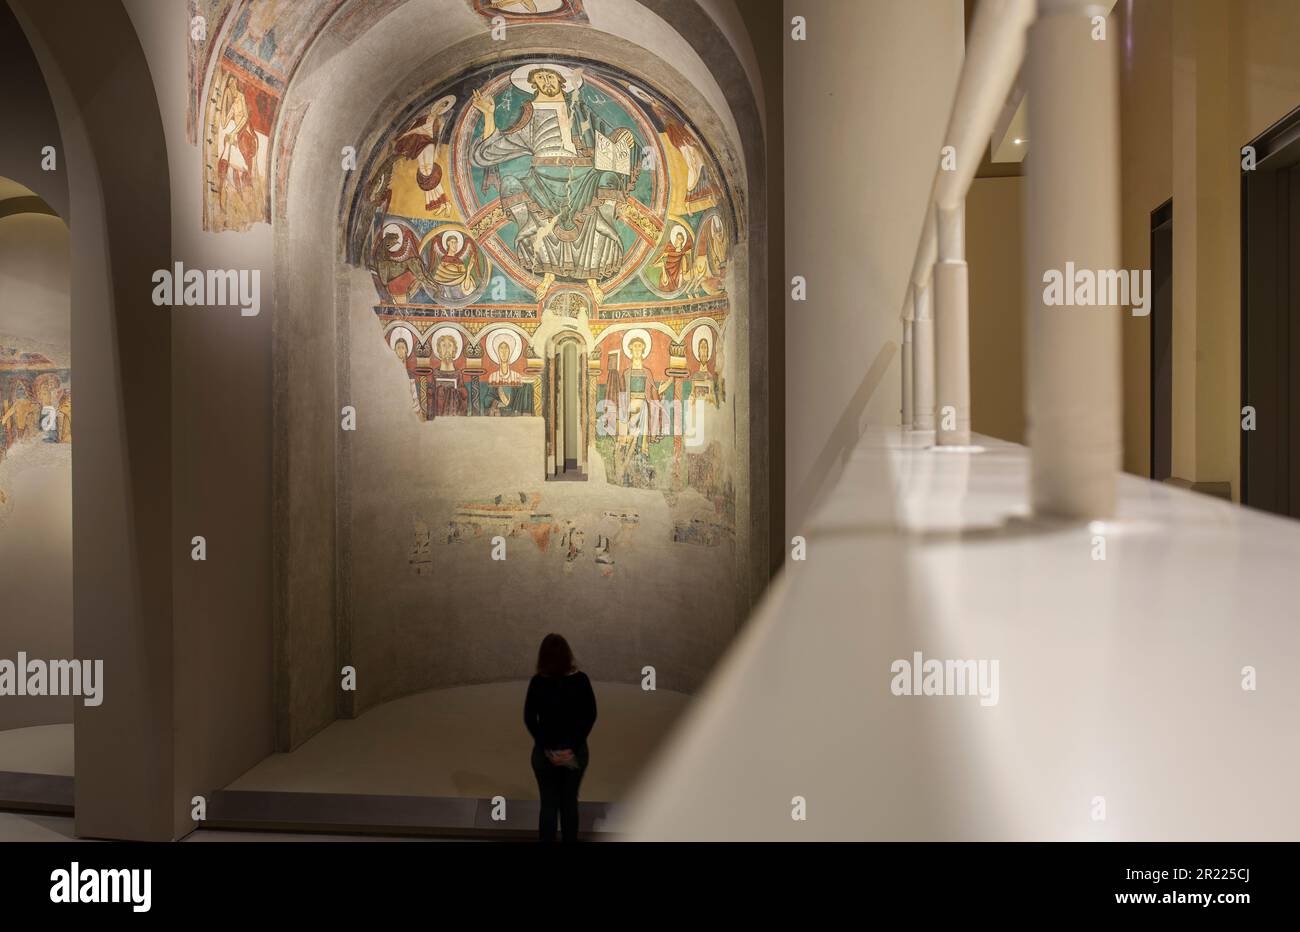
(485, 105)
(560, 757)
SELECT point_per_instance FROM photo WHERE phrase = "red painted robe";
(674, 264)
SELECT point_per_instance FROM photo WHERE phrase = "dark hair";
(555, 657)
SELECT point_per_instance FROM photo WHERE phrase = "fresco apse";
(546, 284)
(548, 197)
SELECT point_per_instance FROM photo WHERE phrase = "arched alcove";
(119, 219)
(570, 427)
(372, 524)
(36, 735)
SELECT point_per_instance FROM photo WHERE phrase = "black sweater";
(560, 711)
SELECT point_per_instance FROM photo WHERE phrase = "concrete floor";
(24, 826)
(467, 741)
(463, 742)
(37, 749)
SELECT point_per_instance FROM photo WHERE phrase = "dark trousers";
(558, 788)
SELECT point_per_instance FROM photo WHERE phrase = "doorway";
(1270, 320)
(1162, 341)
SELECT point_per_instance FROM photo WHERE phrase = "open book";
(613, 156)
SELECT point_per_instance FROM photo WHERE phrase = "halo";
(402, 333)
(446, 332)
(436, 109)
(637, 332)
(519, 77)
(713, 220)
(392, 228)
(436, 235)
(686, 231)
(702, 332)
(442, 239)
(640, 94)
(494, 338)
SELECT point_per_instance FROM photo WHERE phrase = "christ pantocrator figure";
(564, 207)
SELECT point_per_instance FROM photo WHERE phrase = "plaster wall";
(861, 146)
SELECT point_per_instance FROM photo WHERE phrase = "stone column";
(1072, 216)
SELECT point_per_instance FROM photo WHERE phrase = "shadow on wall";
(848, 428)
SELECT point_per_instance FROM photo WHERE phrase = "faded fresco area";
(35, 414)
(549, 244)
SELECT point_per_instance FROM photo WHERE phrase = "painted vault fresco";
(243, 55)
(207, 17)
(262, 48)
(35, 406)
(532, 11)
